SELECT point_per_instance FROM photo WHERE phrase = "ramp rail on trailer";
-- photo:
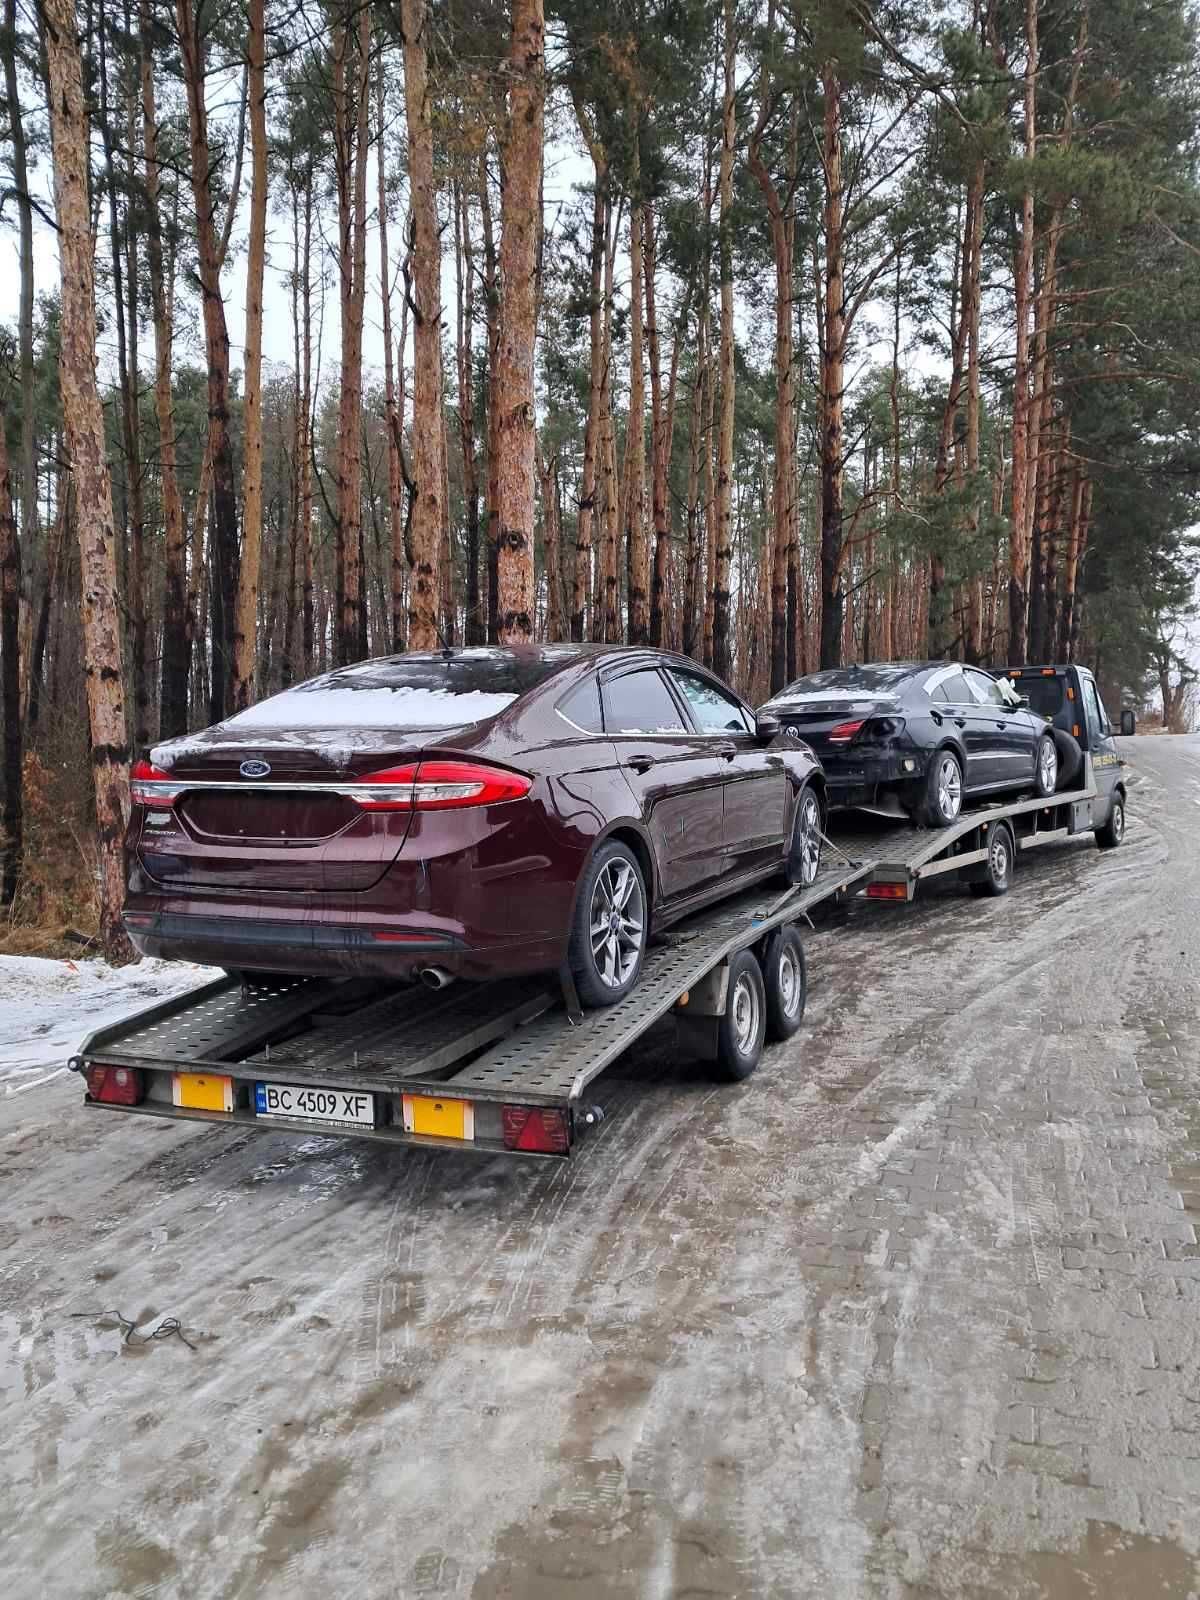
(500, 1066)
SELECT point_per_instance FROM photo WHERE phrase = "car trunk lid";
(818, 716)
(278, 813)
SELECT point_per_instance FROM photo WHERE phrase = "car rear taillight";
(439, 786)
(845, 731)
(536, 1128)
(116, 1086)
(150, 786)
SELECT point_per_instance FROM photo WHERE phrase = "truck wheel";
(997, 879)
(1110, 835)
(742, 1030)
(611, 926)
(943, 790)
(1045, 767)
(785, 974)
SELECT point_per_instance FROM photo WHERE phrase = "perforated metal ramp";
(220, 1022)
(407, 1033)
(551, 1059)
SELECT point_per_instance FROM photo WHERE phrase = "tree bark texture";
(520, 230)
(833, 359)
(722, 655)
(83, 419)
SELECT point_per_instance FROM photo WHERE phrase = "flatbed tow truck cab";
(1069, 699)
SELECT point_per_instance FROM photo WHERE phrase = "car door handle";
(726, 751)
(961, 721)
(640, 763)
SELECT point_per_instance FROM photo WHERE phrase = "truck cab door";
(1099, 744)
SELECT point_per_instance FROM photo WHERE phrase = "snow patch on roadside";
(48, 1007)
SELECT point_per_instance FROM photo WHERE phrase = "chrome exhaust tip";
(435, 977)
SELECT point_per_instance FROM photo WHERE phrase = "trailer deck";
(461, 1067)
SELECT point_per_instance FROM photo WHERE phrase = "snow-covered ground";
(47, 1007)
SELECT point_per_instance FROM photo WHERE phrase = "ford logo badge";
(254, 769)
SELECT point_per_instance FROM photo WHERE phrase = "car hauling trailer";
(503, 1067)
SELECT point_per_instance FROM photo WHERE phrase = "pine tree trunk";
(464, 277)
(491, 291)
(10, 545)
(635, 432)
(83, 417)
(721, 652)
(693, 626)
(245, 626)
(175, 662)
(224, 532)
(351, 108)
(659, 443)
(783, 502)
(551, 545)
(609, 616)
(833, 354)
(586, 524)
(520, 232)
(395, 422)
(10, 680)
(428, 511)
(304, 447)
(1021, 525)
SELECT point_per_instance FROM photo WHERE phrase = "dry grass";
(56, 911)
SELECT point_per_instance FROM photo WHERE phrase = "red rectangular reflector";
(116, 1086)
(537, 1128)
(887, 891)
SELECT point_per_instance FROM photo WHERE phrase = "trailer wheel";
(785, 974)
(741, 1032)
(997, 878)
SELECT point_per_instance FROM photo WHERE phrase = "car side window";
(956, 690)
(985, 690)
(712, 710)
(581, 707)
(640, 702)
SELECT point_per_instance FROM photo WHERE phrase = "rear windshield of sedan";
(861, 680)
(412, 692)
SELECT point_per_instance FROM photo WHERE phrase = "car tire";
(785, 975)
(606, 961)
(742, 1031)
(943, 801)
(1070, 758)
(804, 852)
(998, 867)
(1045, 767)
(1110, 835)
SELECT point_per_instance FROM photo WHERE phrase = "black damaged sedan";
(926, 736)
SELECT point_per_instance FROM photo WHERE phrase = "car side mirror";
(767, 727)
(1128, 724)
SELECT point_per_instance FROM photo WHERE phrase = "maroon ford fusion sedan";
(475, 813)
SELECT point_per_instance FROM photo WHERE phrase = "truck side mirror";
(1128, 724)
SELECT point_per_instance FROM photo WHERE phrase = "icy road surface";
(913, 1313)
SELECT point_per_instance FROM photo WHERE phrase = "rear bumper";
(330, 949)
(855, 777)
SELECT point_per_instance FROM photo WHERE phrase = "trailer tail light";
(887, 891)
(438, 786)
(536, 1128)
(116, 1086)
(845, 731)
(151, 786)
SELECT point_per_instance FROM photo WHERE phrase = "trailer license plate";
(338, 1108)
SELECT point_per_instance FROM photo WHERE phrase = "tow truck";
(510, 1067)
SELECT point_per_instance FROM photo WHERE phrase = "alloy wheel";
(1047, 766)
(808, 838)
(949, 788)
(617, 923)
